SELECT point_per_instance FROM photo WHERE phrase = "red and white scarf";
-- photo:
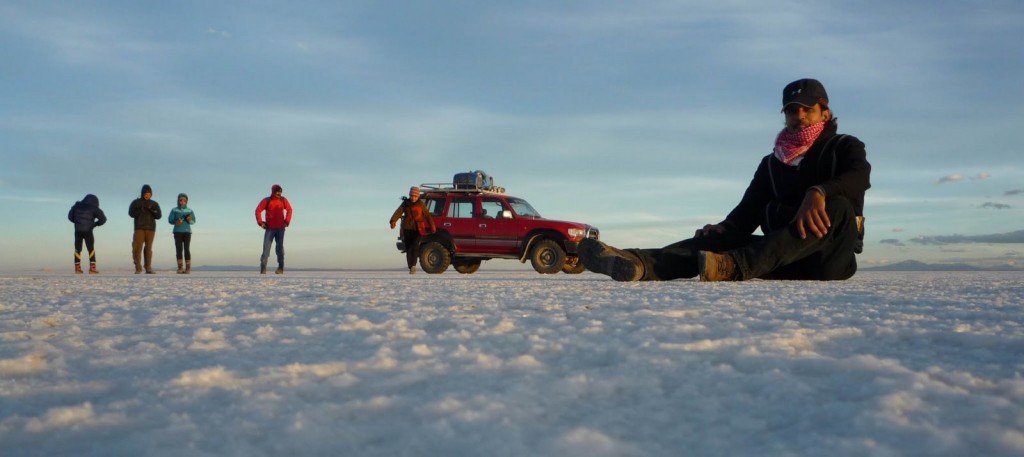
(790, 146)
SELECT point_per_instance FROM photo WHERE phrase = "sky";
(645, 119)
(510, 363)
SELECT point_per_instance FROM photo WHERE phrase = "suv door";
(459, 221)
(497, 234)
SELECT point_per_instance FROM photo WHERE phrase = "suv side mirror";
(505, 214)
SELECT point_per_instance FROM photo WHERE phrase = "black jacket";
(145, 212)
(87, 214)
(837, 163)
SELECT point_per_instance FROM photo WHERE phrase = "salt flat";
(510, 363)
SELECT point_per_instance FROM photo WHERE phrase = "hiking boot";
(717, 267)
(92, 268)
(412, 270)
(279, 270)
(181, 268)
(601, 258)
(78, 268)
(263, 268)
(188, 267)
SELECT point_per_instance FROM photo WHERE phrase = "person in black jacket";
(86, 215)
(146, 212)
(807, 196)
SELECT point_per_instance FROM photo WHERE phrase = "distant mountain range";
(914, 265)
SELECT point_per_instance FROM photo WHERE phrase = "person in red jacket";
(278, 217)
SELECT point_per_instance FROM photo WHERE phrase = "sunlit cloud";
(997, 238)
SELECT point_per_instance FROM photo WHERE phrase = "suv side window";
(434, 205)
(460, 208)
(492, 207)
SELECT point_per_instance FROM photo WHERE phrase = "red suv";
(477, 223)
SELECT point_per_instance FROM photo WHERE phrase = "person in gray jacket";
(146, 212)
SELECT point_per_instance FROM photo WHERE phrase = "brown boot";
(717, 267)
(181, 269)
(188, 267)
(601, 258)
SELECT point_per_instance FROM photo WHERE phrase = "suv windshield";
(522, 208)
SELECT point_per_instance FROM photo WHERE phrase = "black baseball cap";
(804, 92)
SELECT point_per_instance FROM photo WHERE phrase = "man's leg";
(412, 247)
(79, 238)
(680, 260)
(783, 255)
(148, 236)
(677, 260)
(137, 239)
(268, 237)
(279, 238)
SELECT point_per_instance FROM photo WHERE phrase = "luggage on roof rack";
(477, 180)
(468, 182)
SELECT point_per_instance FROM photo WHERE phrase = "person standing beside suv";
(415, 221)
(278, 217)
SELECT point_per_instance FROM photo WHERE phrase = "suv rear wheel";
(434, 258)
(547, 257)
(466, 266)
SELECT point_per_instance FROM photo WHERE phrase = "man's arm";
(259, 213)
(851, 180)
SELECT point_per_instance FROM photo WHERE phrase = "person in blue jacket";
(86, 215)
(182, 217)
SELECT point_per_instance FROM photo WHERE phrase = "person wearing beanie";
(182, 217)
(86, 215)
(416, 221)
(146, 212)
(278, 217)
(807, 196)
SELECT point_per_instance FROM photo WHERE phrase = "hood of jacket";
(91, 200)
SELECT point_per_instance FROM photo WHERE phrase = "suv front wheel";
(547, 257)
(435, 258)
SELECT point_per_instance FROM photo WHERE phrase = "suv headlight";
(576, 233)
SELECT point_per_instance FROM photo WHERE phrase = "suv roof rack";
(450, 187)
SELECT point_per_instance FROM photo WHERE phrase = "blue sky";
(644, 118)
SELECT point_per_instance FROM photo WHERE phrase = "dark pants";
(780, 254)
(272, 236)
(181, 245)
(411, 238)
(89, 240)
(142, 249)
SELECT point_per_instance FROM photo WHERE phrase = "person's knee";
(839, 206)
